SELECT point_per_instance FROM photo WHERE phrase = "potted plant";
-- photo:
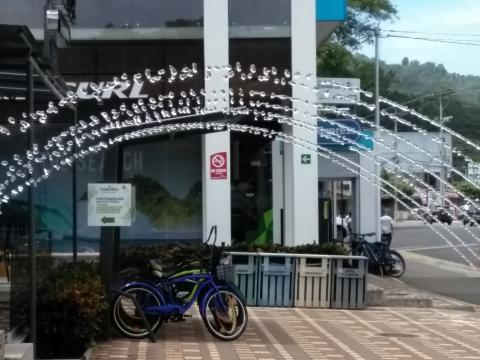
(70, 306)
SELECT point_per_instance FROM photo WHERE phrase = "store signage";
(122, 91)
(313, 272)
(350, 273)
(110, 205)
(306, 159)
(331, 10)
(343, 94)
(218, 166)
(340, 127)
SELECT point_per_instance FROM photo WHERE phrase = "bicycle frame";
(369, 251)
(204, 283)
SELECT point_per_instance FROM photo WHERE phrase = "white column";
(216, 191)
(216, 185)
(367, 191)
(334, 209)
(277, 190)
(301, 180)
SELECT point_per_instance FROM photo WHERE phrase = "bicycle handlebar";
(363, 236)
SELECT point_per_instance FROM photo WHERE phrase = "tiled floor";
(277, 333)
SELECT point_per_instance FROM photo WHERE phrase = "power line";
(445, 41)
(430, 33)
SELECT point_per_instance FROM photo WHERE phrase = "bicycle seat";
(166, 270)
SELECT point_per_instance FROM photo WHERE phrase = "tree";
(401, 185)
(335, 57)
(362, 19)
(468, 189)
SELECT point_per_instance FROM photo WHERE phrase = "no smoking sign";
(218, 166)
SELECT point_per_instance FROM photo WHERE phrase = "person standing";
(386, 223)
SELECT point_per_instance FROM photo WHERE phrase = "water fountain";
(73, 143)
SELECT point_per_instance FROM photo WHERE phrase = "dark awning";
(17, 48)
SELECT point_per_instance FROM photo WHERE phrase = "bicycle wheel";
(397, 267)
(226, 315)
(126, 318)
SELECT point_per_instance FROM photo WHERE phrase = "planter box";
(275, 284)
(312, 281)
(349, 282)
(245, 275)
(302, 280)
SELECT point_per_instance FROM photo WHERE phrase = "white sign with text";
(343, 94)
(110, 205)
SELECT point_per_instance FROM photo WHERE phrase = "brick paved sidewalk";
(297, 334)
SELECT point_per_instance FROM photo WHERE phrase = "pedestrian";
(386, 223)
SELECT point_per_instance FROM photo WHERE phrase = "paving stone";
(380, 333)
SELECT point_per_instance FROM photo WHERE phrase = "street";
(434, 265)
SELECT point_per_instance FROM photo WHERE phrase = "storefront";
(267, 193)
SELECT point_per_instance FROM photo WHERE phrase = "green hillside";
(415, 84)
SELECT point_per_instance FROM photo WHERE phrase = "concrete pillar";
(301, 177)
(216, 147)
(366, 192)
(277, 190)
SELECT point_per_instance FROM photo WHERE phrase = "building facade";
(268, 193)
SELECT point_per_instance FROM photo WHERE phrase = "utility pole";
(442, 153)
(378, 198)
(395, 203)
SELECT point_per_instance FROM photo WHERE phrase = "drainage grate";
(393, 335)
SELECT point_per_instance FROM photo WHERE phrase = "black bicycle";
(381, 258)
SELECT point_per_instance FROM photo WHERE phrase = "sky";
(439, 16)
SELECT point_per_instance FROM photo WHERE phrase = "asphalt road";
(458, 243)
(441, 265)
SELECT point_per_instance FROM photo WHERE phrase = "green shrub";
(138, 256)
(71, 304)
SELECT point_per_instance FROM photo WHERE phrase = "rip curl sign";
(218, 166)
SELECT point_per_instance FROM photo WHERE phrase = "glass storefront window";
(89, 170)
(130, 14)
(259, 12)
(167, 176)
(251, 190)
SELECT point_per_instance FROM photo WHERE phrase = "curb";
(466, 307)
(376, 297)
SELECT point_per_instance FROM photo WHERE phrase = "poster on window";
(218, 166)
(110, 205)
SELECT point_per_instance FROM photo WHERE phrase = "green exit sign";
(306, 159)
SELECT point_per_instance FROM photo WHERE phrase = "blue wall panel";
(331, 10)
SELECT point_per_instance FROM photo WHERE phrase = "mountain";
(419, 85)
(415, 78)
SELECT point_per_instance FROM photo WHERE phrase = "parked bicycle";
(171, 292)
(381, 258)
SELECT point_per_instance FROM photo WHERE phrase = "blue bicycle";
(172, 292)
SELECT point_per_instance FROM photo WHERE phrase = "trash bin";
(349, 282)
(312, 281)
(245, 274)
(275, 283)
